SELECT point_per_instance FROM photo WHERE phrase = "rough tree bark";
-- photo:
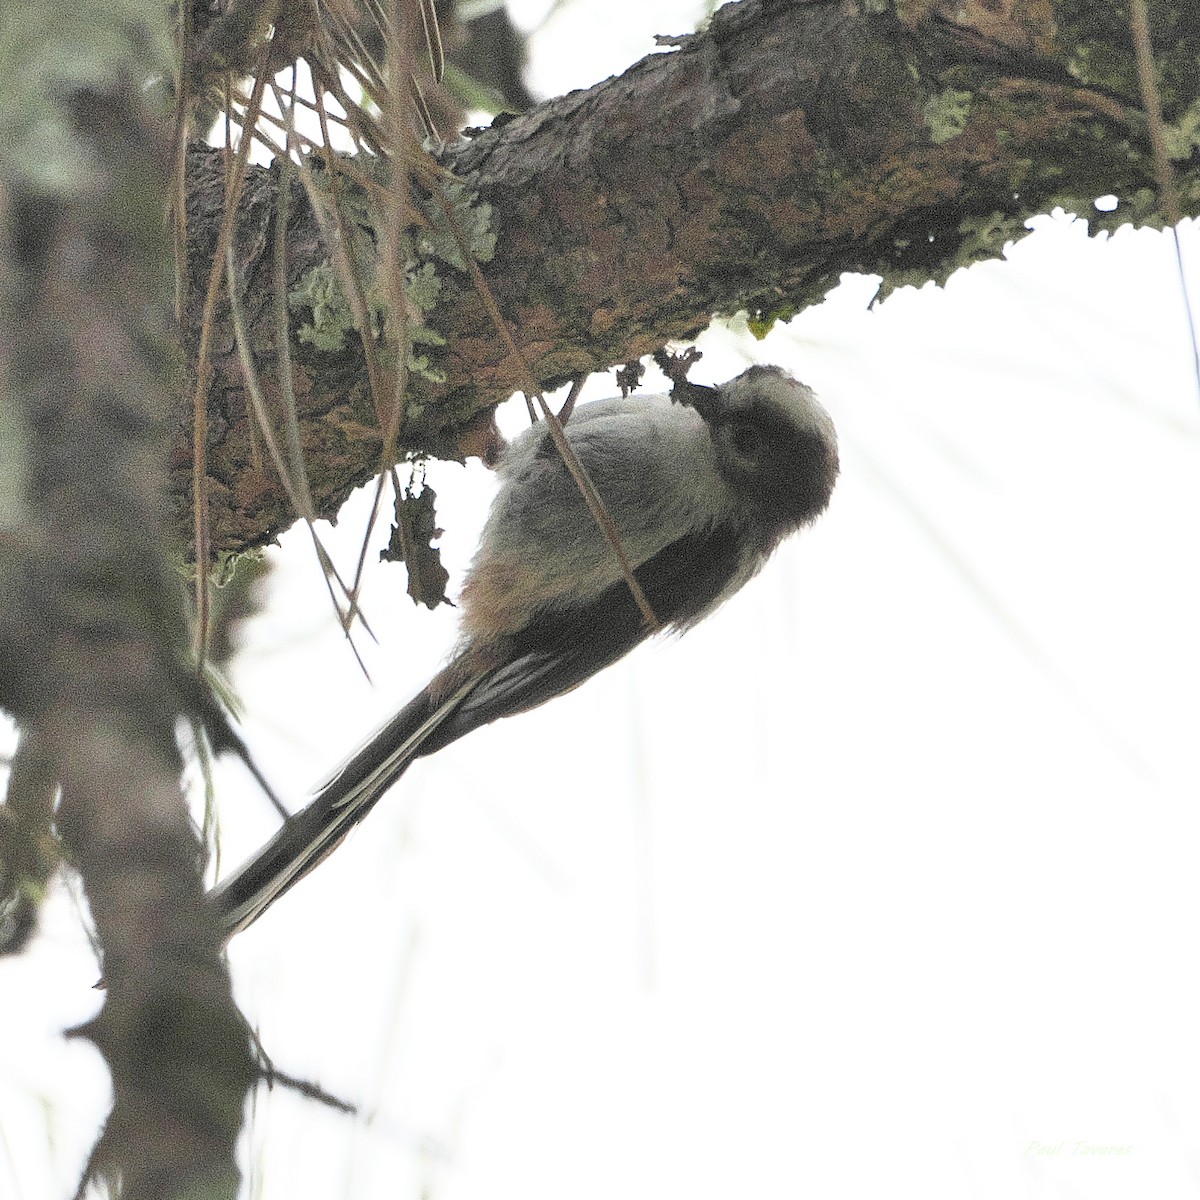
(747, 168)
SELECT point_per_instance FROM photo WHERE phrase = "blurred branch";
(93, 645)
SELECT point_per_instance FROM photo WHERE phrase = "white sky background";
(874, 884)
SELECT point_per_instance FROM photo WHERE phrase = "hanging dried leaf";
(411, 541)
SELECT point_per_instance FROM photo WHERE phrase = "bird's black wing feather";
(307, 836)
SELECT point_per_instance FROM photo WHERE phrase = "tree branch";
(748, 168)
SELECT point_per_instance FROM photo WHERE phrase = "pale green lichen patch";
(227, 563)
(946, 114)
(474, 222)
(330, 326)
(330, 320)
(1183, 137)
(327, 320)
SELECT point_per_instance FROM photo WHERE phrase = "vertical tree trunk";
(93, 645)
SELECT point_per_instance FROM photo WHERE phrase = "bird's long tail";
(307, 836)
(556, 653)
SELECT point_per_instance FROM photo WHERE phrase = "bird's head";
(776, 446)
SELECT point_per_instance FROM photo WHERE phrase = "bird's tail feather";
(307, 836)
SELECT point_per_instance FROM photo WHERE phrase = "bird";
(701, 484)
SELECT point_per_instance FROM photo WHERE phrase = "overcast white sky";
(883, 881)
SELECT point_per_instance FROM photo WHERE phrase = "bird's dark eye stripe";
(764, 425)
(790, 465)
(747, 439)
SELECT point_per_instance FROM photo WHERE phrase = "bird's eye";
(747, 440)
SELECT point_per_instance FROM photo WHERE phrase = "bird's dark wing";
(560, 649)
(554, 653)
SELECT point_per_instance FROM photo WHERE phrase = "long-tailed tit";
(700, 494)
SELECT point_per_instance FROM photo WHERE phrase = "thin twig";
(1143, 52)
(200, 532)
(1168, 193)
(283, 348)
(586, 487)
